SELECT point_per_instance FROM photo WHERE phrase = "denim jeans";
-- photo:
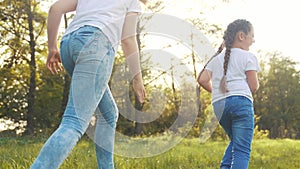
(88, 56)
(236, 116)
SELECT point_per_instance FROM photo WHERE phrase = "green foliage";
(47, 114)
(15, 30)
(157, 91)
(22, 23)
(14, 86)
(276, 102)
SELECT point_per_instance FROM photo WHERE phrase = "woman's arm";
(252, 80)
(204, 80)
(56, 11)
(131, 52)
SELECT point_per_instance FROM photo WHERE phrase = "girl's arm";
(252, 80)
(204, 80)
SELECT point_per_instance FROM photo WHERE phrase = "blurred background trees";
(32, 100)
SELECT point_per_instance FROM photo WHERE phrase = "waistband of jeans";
(238, 97)
(84, 28)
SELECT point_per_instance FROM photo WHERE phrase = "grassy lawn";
(189, 154)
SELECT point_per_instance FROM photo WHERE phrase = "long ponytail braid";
(220, 49)
(223, 83)
(229, 38)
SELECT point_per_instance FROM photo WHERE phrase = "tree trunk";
(138, 106)
(32, 86)
(138, 126)
(195, 76)
(175, 98)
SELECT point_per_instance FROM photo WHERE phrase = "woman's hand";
(139, 88)
(55, 14)
(53, 61)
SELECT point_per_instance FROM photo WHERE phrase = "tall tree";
(22, 24)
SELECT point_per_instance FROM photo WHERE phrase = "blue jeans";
(88, 56)
(236, 116)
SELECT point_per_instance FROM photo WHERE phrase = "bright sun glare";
(275, 22)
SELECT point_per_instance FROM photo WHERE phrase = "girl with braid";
(231, 77)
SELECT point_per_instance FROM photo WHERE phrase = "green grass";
(189, 154)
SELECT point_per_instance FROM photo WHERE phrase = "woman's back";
(107, 15)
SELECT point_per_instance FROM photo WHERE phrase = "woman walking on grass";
(231, 77)
(87, 53)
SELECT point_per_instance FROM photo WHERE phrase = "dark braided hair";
(229, 38)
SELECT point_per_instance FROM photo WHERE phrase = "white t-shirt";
(108, 15)
(240, 61)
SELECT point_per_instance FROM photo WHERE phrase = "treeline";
(277, 100)
(32, 100)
